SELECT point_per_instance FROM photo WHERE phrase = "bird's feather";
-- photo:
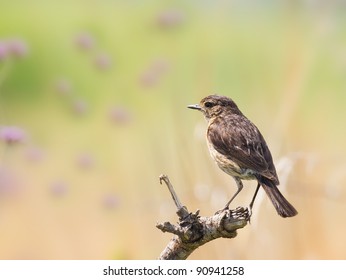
(238, 139)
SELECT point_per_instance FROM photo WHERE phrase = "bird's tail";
(282, 206)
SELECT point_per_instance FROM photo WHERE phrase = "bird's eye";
(208, 104)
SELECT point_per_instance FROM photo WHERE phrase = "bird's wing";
(240, 140)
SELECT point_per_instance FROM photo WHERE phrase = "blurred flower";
(8, 181)
(160, 66)
(170, 18)
(80, 107)
(58, 188)
(85, 161)
(111, 201)
(120, 115)
(85, 41)
(17, 47)
(63, 87)
(152, 75)
(12, 134)
(103, 61)
(34, 154)
(148, 79)
(3, 50)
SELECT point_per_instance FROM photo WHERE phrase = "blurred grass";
(283, 63)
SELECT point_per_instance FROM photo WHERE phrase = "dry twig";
(193, 231)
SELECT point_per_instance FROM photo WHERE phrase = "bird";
(239, 149)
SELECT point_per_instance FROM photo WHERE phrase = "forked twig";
(193, 231)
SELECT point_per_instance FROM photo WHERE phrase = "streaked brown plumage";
(240, 150)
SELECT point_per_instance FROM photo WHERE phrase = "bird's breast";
(228, 166)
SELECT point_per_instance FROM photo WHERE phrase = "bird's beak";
(195, 107)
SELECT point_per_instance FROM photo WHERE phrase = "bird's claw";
(249, 210)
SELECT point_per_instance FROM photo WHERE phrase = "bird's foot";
(249, 209)
(239, 212)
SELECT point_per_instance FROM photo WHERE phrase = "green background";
(84, 183)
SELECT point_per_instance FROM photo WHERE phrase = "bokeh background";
(93, 98)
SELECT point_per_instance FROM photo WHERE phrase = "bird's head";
(215, 105)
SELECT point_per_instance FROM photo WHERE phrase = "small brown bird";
(240, 150)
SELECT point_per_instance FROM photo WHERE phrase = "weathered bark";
(193, 231)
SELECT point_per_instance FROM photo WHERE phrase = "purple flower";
(80, 107)
(148, 79)
(85, 41)
(12, 134)
(85, 161)
(120, 115)
(34, 154)
(160, 66)
(58, 189)
(103, 61)
(111, 201)
(170, 18)
(18, 47)
(154, 73)
(3, 50)
(8, 181)
(63, 87)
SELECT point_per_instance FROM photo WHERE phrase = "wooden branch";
(193, 231)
